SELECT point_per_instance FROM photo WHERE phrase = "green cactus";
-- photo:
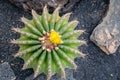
(49, 43)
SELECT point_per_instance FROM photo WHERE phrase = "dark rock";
(6, 73)
(107, 34)
(31, 77)
(27, 5)
(69, 76)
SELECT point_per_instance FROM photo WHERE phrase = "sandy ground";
(95, 66)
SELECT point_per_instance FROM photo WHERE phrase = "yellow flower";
(55, 37)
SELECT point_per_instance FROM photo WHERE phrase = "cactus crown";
(49, 43)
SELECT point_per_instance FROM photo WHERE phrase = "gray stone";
(107, 34)
(6, 73)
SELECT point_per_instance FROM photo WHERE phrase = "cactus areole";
(49, 43)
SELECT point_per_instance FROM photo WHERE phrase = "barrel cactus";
(49, 43)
